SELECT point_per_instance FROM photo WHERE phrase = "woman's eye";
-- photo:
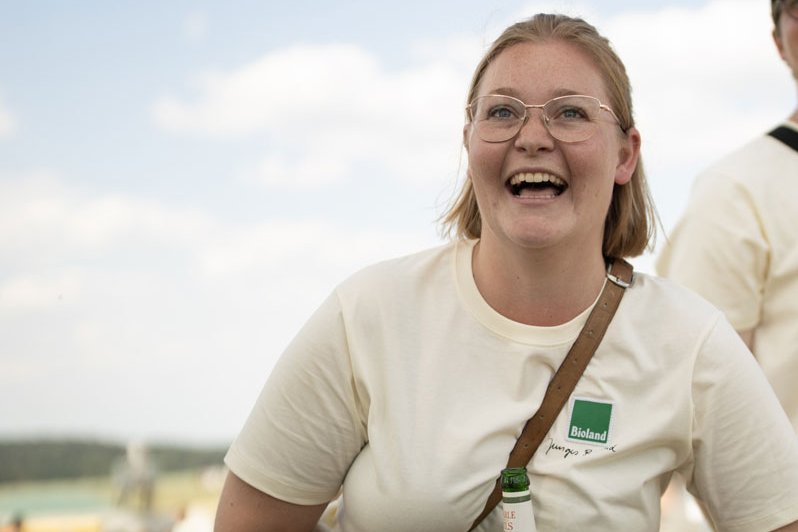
(571, 113)
(502, 113)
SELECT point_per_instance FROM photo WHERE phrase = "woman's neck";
(542, 288)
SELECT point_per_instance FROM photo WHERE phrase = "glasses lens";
(497, 118)
(791, 7)
(572, 118)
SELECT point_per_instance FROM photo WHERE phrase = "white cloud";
(38, 209)
(689, 80)
(300, 249)
(280, 90)
(39, 212)
(30, 292)
(325, 109)
(117, 290)
(278, 169)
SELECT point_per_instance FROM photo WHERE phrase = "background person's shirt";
(737, 245)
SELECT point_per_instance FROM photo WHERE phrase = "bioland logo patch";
(591, 421)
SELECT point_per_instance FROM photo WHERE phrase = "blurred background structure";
(107, 487)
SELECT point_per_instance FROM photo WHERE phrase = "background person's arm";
(243, 508)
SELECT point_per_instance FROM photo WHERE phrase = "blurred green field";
(85, 502)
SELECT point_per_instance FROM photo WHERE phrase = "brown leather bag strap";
(564, 381)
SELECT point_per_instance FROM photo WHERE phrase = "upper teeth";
(536, 177)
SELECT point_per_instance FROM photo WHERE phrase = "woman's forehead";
(551, 67)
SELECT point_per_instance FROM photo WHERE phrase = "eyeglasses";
(573, 118)
(788, 6)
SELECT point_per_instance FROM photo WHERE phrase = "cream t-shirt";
(737, 245)
(408, 390)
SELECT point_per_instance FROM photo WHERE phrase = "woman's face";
(569, 207)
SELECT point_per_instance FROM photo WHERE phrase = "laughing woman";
(405, 393)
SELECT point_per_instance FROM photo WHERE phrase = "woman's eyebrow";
(509, 91)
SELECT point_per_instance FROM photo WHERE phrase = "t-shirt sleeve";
(308, 424)
(719, 249)
(745, 450)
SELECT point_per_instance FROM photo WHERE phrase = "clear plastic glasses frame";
(571, 118)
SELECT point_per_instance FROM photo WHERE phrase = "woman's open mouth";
(536, 185)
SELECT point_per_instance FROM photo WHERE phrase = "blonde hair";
(629, 227)
(775, 13)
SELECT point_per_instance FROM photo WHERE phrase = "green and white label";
(591, 421)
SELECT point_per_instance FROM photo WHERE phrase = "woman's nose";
(534, 135)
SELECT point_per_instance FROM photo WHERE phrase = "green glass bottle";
(517, 501)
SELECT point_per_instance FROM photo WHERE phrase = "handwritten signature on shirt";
(556, 447)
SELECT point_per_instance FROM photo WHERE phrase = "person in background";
(737, 242)
(17, 523)
(404, 393)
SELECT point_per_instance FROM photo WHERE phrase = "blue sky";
(182, 183)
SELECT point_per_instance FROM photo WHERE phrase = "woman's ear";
(628, 155)
(466, 134)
